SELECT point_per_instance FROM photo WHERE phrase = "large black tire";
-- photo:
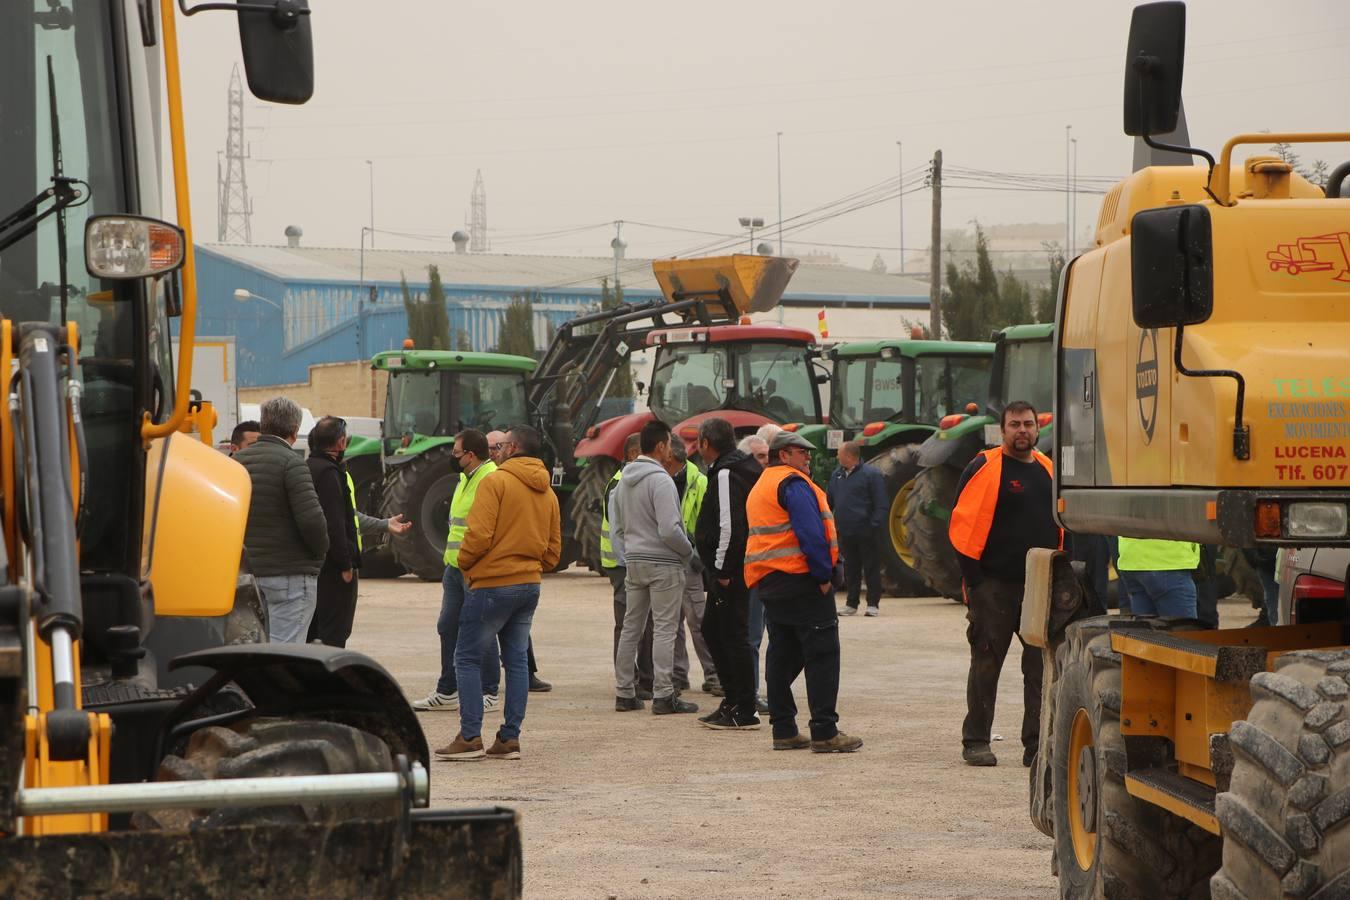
(1284, 816)
(377, 555)
(272, 747)
(421, 489)
(587, 504)
(898, 466)
(1107, 843)
(931, 550)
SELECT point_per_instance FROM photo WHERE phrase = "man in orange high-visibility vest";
(790, 555)
(1004, 507)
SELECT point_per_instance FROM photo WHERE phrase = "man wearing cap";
(789, 561)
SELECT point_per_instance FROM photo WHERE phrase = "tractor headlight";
(1316, 520)
(123, 247)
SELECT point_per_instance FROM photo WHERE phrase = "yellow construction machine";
(1202, 355)
(152, 743)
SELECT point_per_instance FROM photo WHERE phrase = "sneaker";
(840, 743)
(796, 742)
(490, 703)
(627, 704)
(667, 706)
(979, 755)
(680, 684)
(710, 685)
(873, 611)
(644, 693)
(539, 686)
(501, 749)
(761, 705)
(437, 702)
(460, 750)
(715, 719)
(733, 720)
(848, 610)
(1028, 757)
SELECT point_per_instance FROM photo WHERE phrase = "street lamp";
(372, 203)
(244, 296)
(752, 224)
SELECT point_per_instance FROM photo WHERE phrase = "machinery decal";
(1146, 381)
(1319, 253)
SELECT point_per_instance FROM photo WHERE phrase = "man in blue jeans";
(1156, 576)
(514, 536)
(469, 457)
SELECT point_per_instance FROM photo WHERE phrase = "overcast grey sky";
(662, 113)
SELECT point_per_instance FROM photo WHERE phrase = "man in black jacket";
(332, 623)
(719, 537)
(286, 536)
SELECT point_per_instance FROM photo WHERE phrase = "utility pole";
(935, 253)
(780, 193)
(1068, 226)
(1073, 219)
(900, 151)
(371, 165)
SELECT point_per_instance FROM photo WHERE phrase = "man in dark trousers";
(1004, 507)
(720, 534)
(858, 497)
(789, 562)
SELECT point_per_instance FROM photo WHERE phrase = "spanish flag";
(821, 326)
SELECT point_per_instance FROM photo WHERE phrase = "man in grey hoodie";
(649, 535)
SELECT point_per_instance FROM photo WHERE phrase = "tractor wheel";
(272, 747)
(1284, 816)
(586, 503)
(1108, 843)
(926, 512)
(898, 465)
(377, 555)
(421, 489)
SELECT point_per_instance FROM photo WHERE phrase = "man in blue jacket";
(858, 497)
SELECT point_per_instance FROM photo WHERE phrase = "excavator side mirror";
(278, 49)
(1172, 266)
(1153, 65)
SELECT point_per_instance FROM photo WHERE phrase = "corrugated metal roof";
(522, 271)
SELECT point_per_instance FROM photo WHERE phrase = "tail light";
(1045, 419)
(1268, 524)
(951, 421)
(873, 428)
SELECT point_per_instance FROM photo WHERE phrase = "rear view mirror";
(278, 49)
(1172, 266)
(1153, 67)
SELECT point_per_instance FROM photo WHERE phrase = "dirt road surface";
(629, 805)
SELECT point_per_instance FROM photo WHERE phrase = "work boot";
(840, 743)
(796, 742)
(667, 706)
(501, 749)
(539, 685)
(460, 750)
(711, 684)
(627, 704)
(437, 702)
(979, 755)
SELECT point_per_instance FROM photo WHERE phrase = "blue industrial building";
(310, 305)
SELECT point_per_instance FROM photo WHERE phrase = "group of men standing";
(671, 534)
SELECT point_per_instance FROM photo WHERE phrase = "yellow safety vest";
(351, 491)
(607, 558)
(1155, 555)
(460, 504)
(695, 486)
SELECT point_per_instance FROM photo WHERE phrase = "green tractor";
(890, 396)
(1022, 369)
(432, 396)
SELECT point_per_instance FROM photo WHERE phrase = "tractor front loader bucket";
(468, 853)
(753, 283)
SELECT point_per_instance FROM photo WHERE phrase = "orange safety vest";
(772, 544)
(974, 512)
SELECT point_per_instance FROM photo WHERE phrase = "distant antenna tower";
(234, 210)
(478, 239)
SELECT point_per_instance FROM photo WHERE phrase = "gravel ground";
(630, 805)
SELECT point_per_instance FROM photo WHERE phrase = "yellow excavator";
(152, 743)
(1202, 369)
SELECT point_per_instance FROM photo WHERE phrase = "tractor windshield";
(867, 389)
(1028, 374)
(413, 405)
(945, 384)
(689, 379)
(489, 400)
(776, 380)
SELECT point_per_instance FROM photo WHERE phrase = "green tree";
(970, 301)
(428, 322)
(462, 341)
(1047, 296)
(622, 385)
(517, 331)
(1317, 173)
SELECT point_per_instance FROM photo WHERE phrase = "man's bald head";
(494, 440)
